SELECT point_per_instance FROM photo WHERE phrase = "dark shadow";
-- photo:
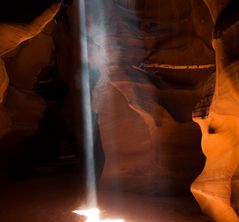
(23, 11)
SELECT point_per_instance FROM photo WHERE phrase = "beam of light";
(91, 200)
(93, 215)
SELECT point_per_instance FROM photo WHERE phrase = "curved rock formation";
(216, 189)
(11, 36)
(150, 77)
(20, 106)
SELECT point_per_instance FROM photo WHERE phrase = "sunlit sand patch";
(93, 215)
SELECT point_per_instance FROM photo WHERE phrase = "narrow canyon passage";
(96, 105)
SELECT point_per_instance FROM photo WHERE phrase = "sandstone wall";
(153, 59)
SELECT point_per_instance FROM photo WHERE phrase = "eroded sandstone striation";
(149, 62)
(21, 61)
(152, 58)
(22, 70)
(216, 189)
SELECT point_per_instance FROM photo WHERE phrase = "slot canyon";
(130, 102)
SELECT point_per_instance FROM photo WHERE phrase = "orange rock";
(11, 35)
(216, 188)
(29, 61)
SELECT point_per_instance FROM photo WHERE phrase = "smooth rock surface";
(216, 188)
(21, 107)
(144, 113)
(29, 61)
